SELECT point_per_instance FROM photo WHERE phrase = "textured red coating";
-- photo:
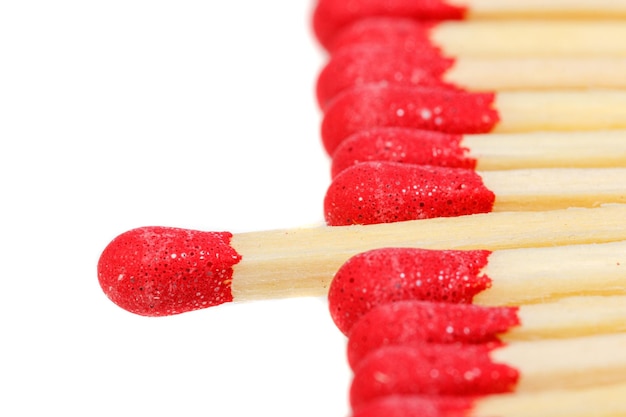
(330, 16)
(160, 271)
(387, 275)
(379, 64)
(376, 105)
(431, 369)
(407, 34)
(416, 322)
(387, 192)
(416, 406)
(403, 145)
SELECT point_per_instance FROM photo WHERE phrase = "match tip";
(416, 405)
(431, 369)
(428, 108)
(388, 275)
(414, 322)
(331, 17)
(359, 65)
(161, 271)
(388, 192)
(402, 145)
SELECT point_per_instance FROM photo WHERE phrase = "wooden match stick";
(415, 322)
(483, 152)
(505, 277)
(385, 192)
(448, 111)
(370, 64)
(497, 37)
(453, 369)
(601, 401)
(157, 271)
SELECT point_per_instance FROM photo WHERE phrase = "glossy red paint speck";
(331, 16)
(381, 64)
(431, 369)
(387, 275)
(416, 322)
(416, 406)
(379, 105)
(387, 192)
(403, 145)
(160, 271)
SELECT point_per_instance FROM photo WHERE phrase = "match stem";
(554, 272)
(591, 9)
(588, 149)
(302, 262)
(600, 401)
(566, 363)
(549, 188)
(525, 111)
(531, 38)
(570, 317)
(537, 73)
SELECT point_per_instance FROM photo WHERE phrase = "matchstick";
(415, 322)
(483, 152)
(371, 64)
(449, 111)
(600, 401)
(385, 192)
(484, 369)
(489, 37)
(158, 271)
(506, 277)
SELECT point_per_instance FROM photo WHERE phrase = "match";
(505, 277)
(489, 38)
(601, 401)
(158, 271)
(376, 64)
(414, 322)
(492, 151)
(385, 192)
(460, 112)
(484, 369)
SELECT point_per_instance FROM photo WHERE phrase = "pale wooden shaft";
(585, 149)
(570, 317)
(537, 73)
(554, 188)
(530, 38)
(302, 262)
(567, 110)
(529, 275)
(541, 8)
(566, 363)
(600, 401)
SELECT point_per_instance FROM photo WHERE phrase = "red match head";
(378, 64)
(379, 105)
(431, 369)
(388, 192)
(416, 405)
(408, 34)
(387, 275)
(160, 271)
(330, 17)
(404, 145)
(416, 322)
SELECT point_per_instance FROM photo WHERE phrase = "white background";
(118, 114)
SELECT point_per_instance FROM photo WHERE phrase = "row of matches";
(429, 119)
(539, 252)
(404, 110)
